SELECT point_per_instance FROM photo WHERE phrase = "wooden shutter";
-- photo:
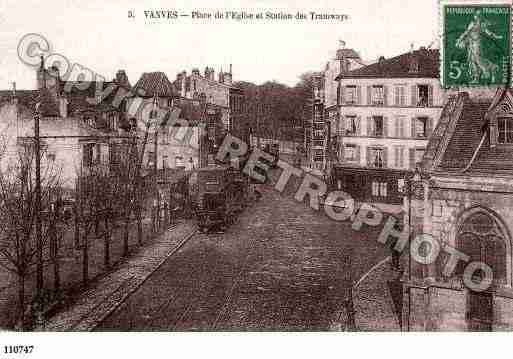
(342, 153)
(357, 153)
(397, 96)
(413, 120)
(342, 95)
(358, 95)
(369, 95)
(412, 158)
(397, 132)
(396, 156)
(385, 157)
(339, 99)
(414, 95)
(430, 95)
(385, 126)
(385, 95)
(368, 157)
(359, 126)
(429, 127)
(369, 126)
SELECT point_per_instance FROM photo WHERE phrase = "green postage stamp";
(476, 48)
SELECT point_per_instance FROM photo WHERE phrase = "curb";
(123, 289)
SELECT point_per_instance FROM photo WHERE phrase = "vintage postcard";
(255, 166)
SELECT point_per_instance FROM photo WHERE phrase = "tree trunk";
(125, 236)
(139, 225)
(85, 261)
(106, 242)
(21, 300)
(55, 260)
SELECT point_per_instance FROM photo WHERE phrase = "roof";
(29, 98)
(67, 127)
(455, 145)
(399, 66)
(154, 84)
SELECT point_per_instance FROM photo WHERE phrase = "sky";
(99, 35)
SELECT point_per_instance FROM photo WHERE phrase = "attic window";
(414, 65)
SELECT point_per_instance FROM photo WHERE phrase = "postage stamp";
(476, 47)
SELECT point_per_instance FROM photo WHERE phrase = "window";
(400, 95)
(423, 92)
(399, 126)
(164, 161)
(87, 154)
(419, 153)
(350, 153)
(318, 143)
(377, 126)
(505, 130)
(151, 158)
(378, 95)
(399, 156)
(179, 161)
(421, 127)
(377, 157)
(379, 189)
(351, 95)
(351, 125)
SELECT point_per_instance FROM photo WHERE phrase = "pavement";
(111, 290)
(373, 304)
(282, 266)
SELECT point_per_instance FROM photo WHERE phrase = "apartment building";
(322, 114)
(388, 111)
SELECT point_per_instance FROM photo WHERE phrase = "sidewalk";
(375, 310)
(108, 293)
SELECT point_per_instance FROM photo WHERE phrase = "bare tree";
(18, 247)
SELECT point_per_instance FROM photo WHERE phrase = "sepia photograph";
(254, 172)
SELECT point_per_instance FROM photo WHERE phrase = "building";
(387, 113)
(76, 132)
(161, 104)
(466, 204)
(322, 114)
(220, 92)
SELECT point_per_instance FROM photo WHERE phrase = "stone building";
(466, 204)
(387, 113)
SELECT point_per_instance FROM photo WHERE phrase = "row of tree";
(105, 200)
(275, 110)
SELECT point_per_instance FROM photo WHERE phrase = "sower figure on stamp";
(470, 40)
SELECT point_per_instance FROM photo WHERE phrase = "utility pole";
(39, 241)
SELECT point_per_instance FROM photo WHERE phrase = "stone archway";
(482, 236)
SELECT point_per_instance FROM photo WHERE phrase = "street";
(281, 266)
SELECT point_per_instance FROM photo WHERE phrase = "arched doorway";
(482, 236)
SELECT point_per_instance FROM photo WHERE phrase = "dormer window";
(505, 130)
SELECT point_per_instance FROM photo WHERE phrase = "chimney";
(228, 79)
(221, 76)
(121, 77)
(195, 71)
(41, 74)
(14, 97)
(182, 83)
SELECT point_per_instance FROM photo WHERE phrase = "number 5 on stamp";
(476, 48)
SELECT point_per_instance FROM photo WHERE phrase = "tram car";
(221, 196)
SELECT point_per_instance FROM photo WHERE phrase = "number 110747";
(18, 349)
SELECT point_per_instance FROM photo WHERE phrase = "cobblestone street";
(281, 266)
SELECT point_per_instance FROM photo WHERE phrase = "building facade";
(387, 114)
(466, 204)
(322, 113)
(76, 132)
